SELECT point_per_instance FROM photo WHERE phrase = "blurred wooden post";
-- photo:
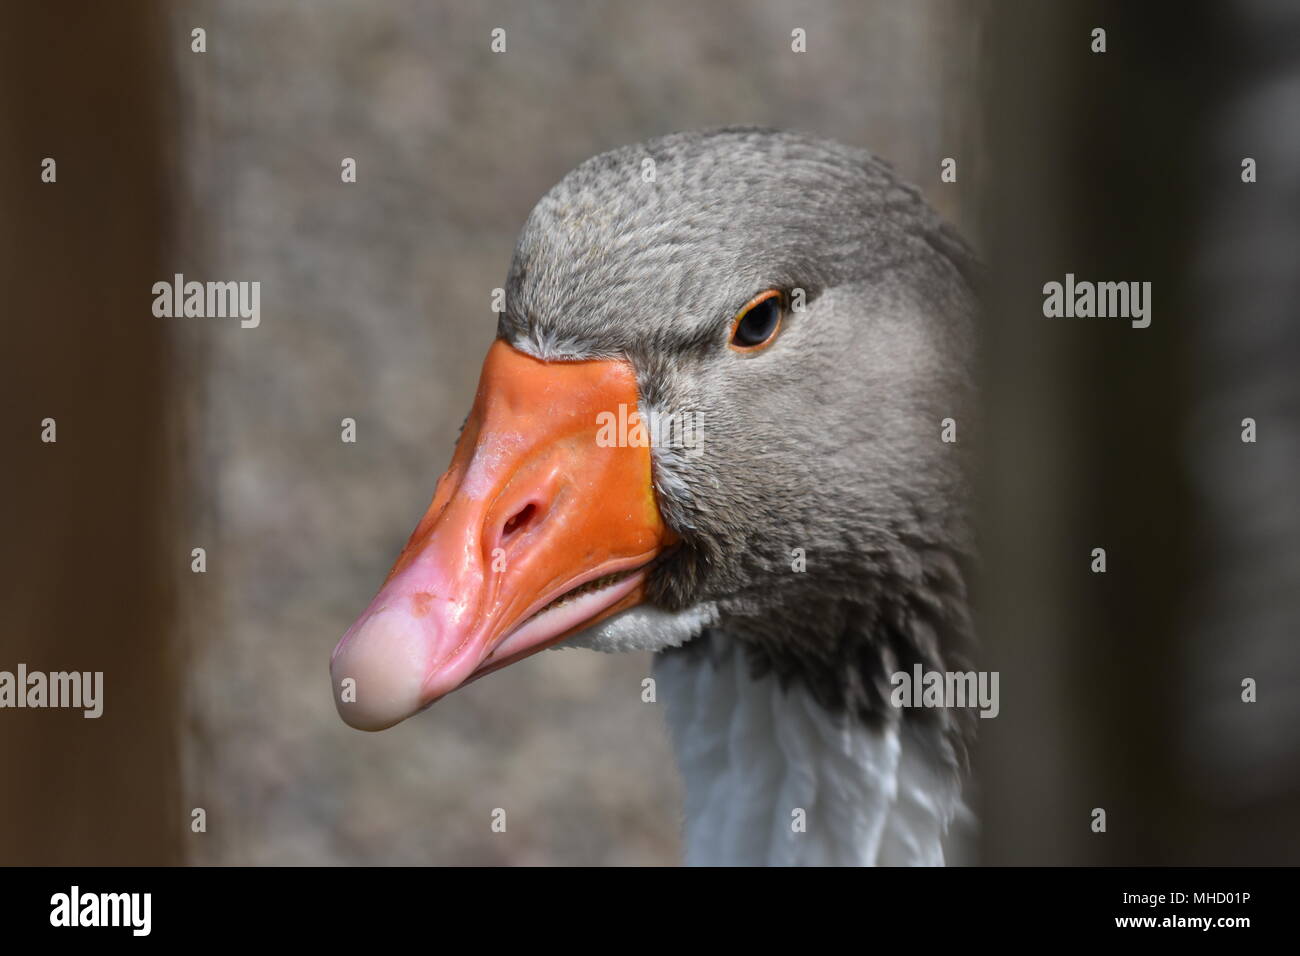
(1113, 689)
(1085, 439)
(85, 565)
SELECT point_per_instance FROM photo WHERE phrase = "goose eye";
(758, 322)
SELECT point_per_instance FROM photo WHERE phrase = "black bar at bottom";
(215, 905)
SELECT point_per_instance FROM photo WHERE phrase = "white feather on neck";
(751, 754)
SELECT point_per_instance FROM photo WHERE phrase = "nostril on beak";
(520, 520)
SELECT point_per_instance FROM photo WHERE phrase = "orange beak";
(541, 526)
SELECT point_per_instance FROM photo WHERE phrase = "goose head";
(715, 402)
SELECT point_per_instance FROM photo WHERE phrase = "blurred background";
(1120, 691)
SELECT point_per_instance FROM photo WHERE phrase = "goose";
(814, 320)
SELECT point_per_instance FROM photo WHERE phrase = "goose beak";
(544, 524)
